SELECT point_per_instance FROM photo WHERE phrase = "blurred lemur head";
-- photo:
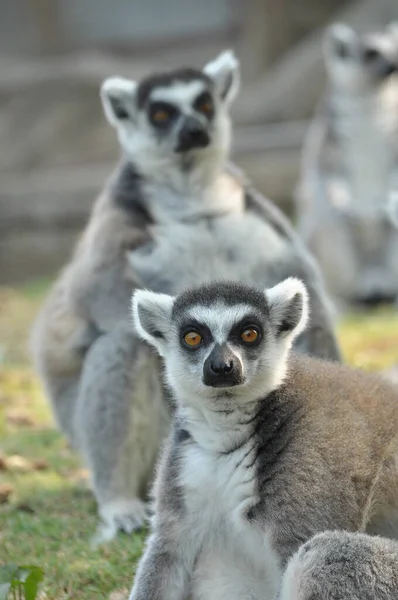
(360, 63)
(223, 340)
(179, 117)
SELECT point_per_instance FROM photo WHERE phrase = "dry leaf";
(19, 418)
(40, 464)
(5, 492)
(119, 595)
(3, 462)
(18, 463)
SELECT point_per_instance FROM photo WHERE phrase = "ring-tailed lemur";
(268, 446)
(174, 130)
(338, 565)
(350, 168)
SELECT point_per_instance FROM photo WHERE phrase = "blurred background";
(56, 148)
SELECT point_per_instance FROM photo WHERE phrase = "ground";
(47, 512)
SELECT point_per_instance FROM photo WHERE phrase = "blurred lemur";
(350, 168)
(173, 185)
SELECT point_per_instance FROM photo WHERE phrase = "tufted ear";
(340, 41)
(118, 97)
(225, 72)
(289, 307)
(151, 317)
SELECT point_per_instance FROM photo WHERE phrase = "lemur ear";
(225, 72)
(118, 97)
(151, 317)
(289, 307)
(340, 41)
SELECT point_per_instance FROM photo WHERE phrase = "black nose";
(192, 135)
(222, 368)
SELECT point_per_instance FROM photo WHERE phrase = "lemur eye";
(249, 335)
(160, 115)
(192, 338)
(204, 104)
(371, 54)
(206, 107)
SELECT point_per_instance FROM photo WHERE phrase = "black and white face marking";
(224, 349)
(171, 114)
(358, 63)
(223, 337)
(183, 110)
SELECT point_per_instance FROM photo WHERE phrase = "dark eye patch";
(204, 104)
(379, 64)
(162, 114)
(371, 55)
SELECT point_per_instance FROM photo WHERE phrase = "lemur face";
(181, 114)
(222, 337)
(221, 343)
(359, 63)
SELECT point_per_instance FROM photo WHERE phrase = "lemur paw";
(121, 515)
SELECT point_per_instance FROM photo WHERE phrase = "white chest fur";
(236, 559)
(369, 153)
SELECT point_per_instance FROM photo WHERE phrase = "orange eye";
(160, 116)
(249, 335)
(192, 339)
(206, 107)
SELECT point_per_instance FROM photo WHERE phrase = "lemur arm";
(102, 280)
(161, 573)
(166, 566)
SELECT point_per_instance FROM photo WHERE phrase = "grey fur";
(252, 471)
(92, 365)
(338, 565)
(350, 169)
(392, 209)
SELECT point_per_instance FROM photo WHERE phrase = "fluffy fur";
(338, 565)
(350, 168)
(253, 469)
(171, 195)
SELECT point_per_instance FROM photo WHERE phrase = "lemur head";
(360, 63)
(181, 116)
(223, 339)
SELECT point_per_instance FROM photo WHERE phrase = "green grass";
(47, 512)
